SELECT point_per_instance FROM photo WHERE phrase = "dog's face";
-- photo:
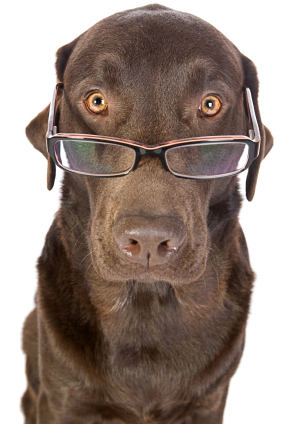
(152, 70)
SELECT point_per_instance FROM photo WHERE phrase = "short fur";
(112, 341)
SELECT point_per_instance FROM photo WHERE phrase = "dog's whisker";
(216, 272)
(87, 256)
(118, 305)
(78, 223)
(87, 270)
(204, 280)
(84, 232)
(213, 245)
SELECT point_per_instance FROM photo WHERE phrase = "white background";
(31, 32)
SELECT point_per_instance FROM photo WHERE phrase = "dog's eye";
(96, 103)
(210, 106)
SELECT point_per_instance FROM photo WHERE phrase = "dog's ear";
(62, 56)
(251, 81)
(35, 132)
(37, 128)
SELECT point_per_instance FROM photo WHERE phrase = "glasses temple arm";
(254, 133)
(51, 128)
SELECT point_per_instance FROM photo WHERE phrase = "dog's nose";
(149, 240)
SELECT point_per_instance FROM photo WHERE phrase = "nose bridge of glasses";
(142, 153)
(150, 152)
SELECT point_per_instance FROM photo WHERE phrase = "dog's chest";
(145, 391)
(154, 362)
(146, 386)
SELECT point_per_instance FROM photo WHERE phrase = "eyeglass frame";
(157, 150)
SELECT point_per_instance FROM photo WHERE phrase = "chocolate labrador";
(144, 280)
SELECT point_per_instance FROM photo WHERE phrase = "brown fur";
(112, 341)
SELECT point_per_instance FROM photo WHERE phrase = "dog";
(144, 279)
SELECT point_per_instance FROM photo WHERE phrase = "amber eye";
(210, 106)
(96, 103)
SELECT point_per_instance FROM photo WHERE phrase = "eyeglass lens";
(203, 160)
(94, 157)
(207, 159)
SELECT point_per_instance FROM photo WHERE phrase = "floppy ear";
(35, 132)
(37, 128)
(251, 81)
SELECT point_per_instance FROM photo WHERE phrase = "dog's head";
(153, 67)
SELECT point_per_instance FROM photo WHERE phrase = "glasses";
(197, 158)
